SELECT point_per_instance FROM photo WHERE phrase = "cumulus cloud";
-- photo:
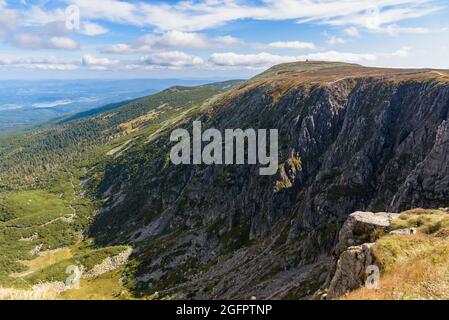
(402, 52)
(162, 59)
(174, 39)
(200, 15)
(5, 61)
(227, 41)
(231, 59)
(35, 29)
(291, 45)
(173, 59)
(62, 43)
(92, 29)
(352, 32)
(111, 10)
(45, 63)
(394, 30)
(341, 56)
(265, 59)
(377, 16)
(92, 61)
(333, 40)
(33, 41)
(8, 20)
(35, 16)
(120, 48)
(170, 40)
(180, 20)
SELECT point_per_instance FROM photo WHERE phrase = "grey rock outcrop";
(353, 252)
(109, 264)
(351, 270)
(363, 227)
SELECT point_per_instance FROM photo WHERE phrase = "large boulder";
(363, 227)
(351, 270)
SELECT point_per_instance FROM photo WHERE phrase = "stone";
(351, 269)
(404, 231)
(362, 227)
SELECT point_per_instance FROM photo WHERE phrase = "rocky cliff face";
(351, 138)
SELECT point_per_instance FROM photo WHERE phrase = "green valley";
(48, 180)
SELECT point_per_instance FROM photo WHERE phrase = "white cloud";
(35, 16)
(333, 40)
(174, 59)
(375, 17)
(394, 30)
(179, 39)
(111, 10)
(403, 52)
(199, 15)
(56, 67)
(27, 41)
(35, 29)
(93, 29)
(196, 15)
(263, 59)
(352, 32)
(45, 63)
(190, 16)
(172, 39)
(5, 61)
(228, 41)
(291, 45)
(92, 61)
(8, 20)
(341, 56)
(231, 59)
(63, 43)
(33, 41)
(120, 48)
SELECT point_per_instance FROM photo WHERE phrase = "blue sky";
(214, 39)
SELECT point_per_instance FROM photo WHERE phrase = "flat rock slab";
(363, 227)
(381, 219)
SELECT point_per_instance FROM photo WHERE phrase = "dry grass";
(45, 259)
(45, 291)
(104, 287)
(119, 148)
(137, 123)
(426, 221)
